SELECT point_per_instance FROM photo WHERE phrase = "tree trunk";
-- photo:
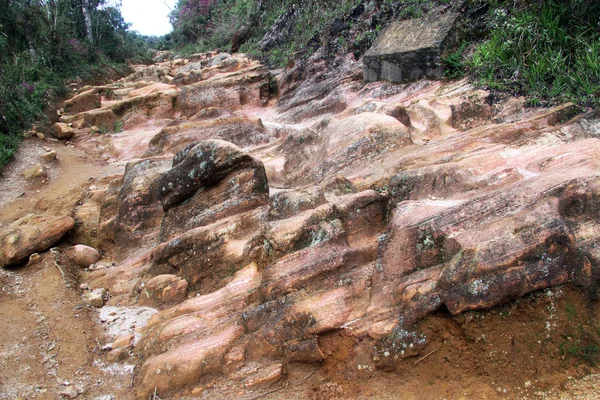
(85, 9)
(29, 35)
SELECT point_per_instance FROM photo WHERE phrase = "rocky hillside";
(231, 238)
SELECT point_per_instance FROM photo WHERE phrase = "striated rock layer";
(257, 226)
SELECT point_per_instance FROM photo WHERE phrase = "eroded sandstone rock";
(85, 101)
(163, 291)
(31, 234)
(230, 91)
(62, 131)
(390, 202)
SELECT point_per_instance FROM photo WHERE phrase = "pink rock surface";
(348, 207)
(31, 234)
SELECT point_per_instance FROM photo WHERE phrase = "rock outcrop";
(350, 207)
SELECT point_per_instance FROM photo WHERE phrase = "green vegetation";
(581, 338)
(209, 24)
(44, 44)
(547, 50)
(118, 126)
(206, 25)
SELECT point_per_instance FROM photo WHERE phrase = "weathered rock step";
(31, 234)
(309, 268)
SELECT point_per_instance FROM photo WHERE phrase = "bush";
(44, 45)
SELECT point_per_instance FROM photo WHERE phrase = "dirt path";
(49, 341)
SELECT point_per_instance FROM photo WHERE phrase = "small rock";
(62, 131)
(96, 297)
(70, 392)
(40, 135)
(235, 355)
(35, 257)
(50, 156)
(105, 397)
(84, 256)
(35, 172)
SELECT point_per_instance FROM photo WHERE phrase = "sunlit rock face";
(257, 226)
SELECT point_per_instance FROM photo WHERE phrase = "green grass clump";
(547, 50)
(8, 147)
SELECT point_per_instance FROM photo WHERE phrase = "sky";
(148, 17)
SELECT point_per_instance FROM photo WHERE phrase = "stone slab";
(411, 49)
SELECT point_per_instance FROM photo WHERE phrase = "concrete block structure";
(412, 49)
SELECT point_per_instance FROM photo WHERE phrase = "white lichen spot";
(478, 287)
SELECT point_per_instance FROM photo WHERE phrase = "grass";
(549, 51)
(8, 146)
(118, 127)
(581, 337)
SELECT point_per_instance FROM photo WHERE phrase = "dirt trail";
(53, 344)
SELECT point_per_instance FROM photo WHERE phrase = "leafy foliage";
(43, 43)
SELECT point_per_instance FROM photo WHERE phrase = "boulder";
(411, 49)
(101, 118)
(31, 234)
(199, 165)
(84, 256)
(35, 173)
(96, 297)
(138, 211)
(62, 131)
